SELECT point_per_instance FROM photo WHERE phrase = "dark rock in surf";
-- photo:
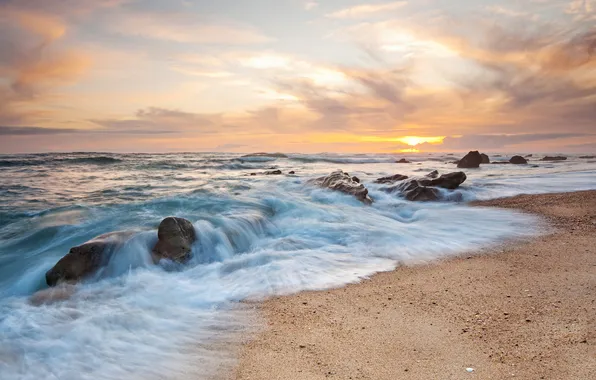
(471, 160)
(341, 181)
(485, 159)
(587, 157)
(391, 179)
(413, 191)
(175, 238)
(403, 161)
(500, 163)
(528, 155)
(292, 172)
(433, 174)
(273, 172)
(355, 179)
(85, 260)
(449, 181)
(518, 160)
(554, 158)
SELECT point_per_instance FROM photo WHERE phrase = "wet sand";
(522, 310)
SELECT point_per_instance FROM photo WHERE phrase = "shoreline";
(519, 310)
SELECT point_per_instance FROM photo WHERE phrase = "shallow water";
(258, 236)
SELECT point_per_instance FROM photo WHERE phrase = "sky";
(297, 75)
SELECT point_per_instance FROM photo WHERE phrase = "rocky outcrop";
(518, 160)
(449, 181)
(175, 238)
(343, 182)
(355, 179)
(264, 154)
(85, 260)
(471, 160)
(403, 161)
(391, 179)
(485, 159)
(554, 158)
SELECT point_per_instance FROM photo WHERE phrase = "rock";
(340, 181)
(253, 173)
(485, 159)
(403, 161)
(356, 179)
(587, 157)
(264, 154)
(554, 158)
(391, 179)
(500, 162)
(528, 155)
(273, 172)
(84, 261)
(470, 160)
(447, 181)
(518, 160)
(175, 237)
(433, 174)
(292, 172)
(413, 191)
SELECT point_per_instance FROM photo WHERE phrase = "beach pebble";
(469, 370)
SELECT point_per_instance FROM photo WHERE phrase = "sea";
(258, 236)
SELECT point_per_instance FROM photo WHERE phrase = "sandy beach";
(521, 310)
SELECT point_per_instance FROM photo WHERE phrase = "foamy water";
(258, 236)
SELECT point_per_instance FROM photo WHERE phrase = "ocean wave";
(341, 160)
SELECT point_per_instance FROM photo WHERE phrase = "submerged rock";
(83, 261)
(528, 155)
(341, 181)
(291, 172)
(518, 160)
(554, 158)
(403, 161)
(391, 179)
(485, 159)
(471, 160)
(273, 172)
(175, 238)
(449, 181)
(587, 157)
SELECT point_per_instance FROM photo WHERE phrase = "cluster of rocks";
(414, 189)
(474, 159)
(175, 237)
(426, 188)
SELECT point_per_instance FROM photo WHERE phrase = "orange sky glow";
(297, 76)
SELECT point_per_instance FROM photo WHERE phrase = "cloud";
(155, 120)
(495, 141)
(185, 28)
(310, 5)
(366, 10)
(36, 65)
(29, 131)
